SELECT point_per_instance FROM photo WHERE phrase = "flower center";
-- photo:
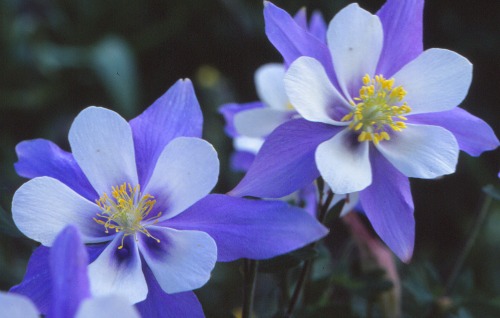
(126, 211)
(378, 109)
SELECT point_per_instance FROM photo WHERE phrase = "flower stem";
(322, 210)
(468, 246)
(249, 279)
(483, 213)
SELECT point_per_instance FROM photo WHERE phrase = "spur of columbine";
(138, 192)
(376, 110)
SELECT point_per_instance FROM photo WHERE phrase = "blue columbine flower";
(376, 110)
(66, 266)
(139, 194)
(249, 123)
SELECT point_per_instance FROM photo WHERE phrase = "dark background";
(57, 57)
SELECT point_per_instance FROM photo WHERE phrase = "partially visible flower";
(376, 111)
(249, 123)
(139, 194)
(66, 268)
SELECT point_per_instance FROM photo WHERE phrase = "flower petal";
(182, 260)
(317, 26)
(270, 87)
(301, 18)
(312, 94)
(101, 141)
(388, 204)
(252, 229)
(231, 110)
(355, 39)
(260, 122)
(241, 161)
(248, 144)
(68, 266)
(186, 171)
(177, 113)
(17, 306)
(40, 158)
(285, 162)
(159, 304)
(118, 271)
(43, 206)
(293, 41)
(107, 306)
(344, 163)
(37, 282)
(473, 134)
(402, 24)
(437, 80)
(421, 151)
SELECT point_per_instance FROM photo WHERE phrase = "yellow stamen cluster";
(126, 210)
(377, 108)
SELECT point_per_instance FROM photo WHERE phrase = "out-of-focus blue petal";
(68, 265)
(473, 134)
(176, 113)
(317, 26)
(230, 110)
(388, 204)
(252, 229)
(40, 157)
(37, 282)
(285, 162)
(402, 24)
(301, 18)
(159, 304)
(241, 160)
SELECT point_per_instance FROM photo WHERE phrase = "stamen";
(378, 109)
(126, 211)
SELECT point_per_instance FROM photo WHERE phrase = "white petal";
(186, 171)
(248, 144)
(102, 144)
(259, 122)
(344, 163)
(312, 94)
(43, 206)
(437, 80)
(270, 87)
(119, 271)
(355, 39)
(17, 306)
(182, 260)
(421, 151)
(107, 306)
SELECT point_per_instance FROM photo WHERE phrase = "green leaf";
(113, 62)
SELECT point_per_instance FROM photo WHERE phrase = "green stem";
(468, 246)
(249, 279)
(323, 209)
(483, 213)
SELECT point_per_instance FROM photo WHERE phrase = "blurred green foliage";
(57, 57)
